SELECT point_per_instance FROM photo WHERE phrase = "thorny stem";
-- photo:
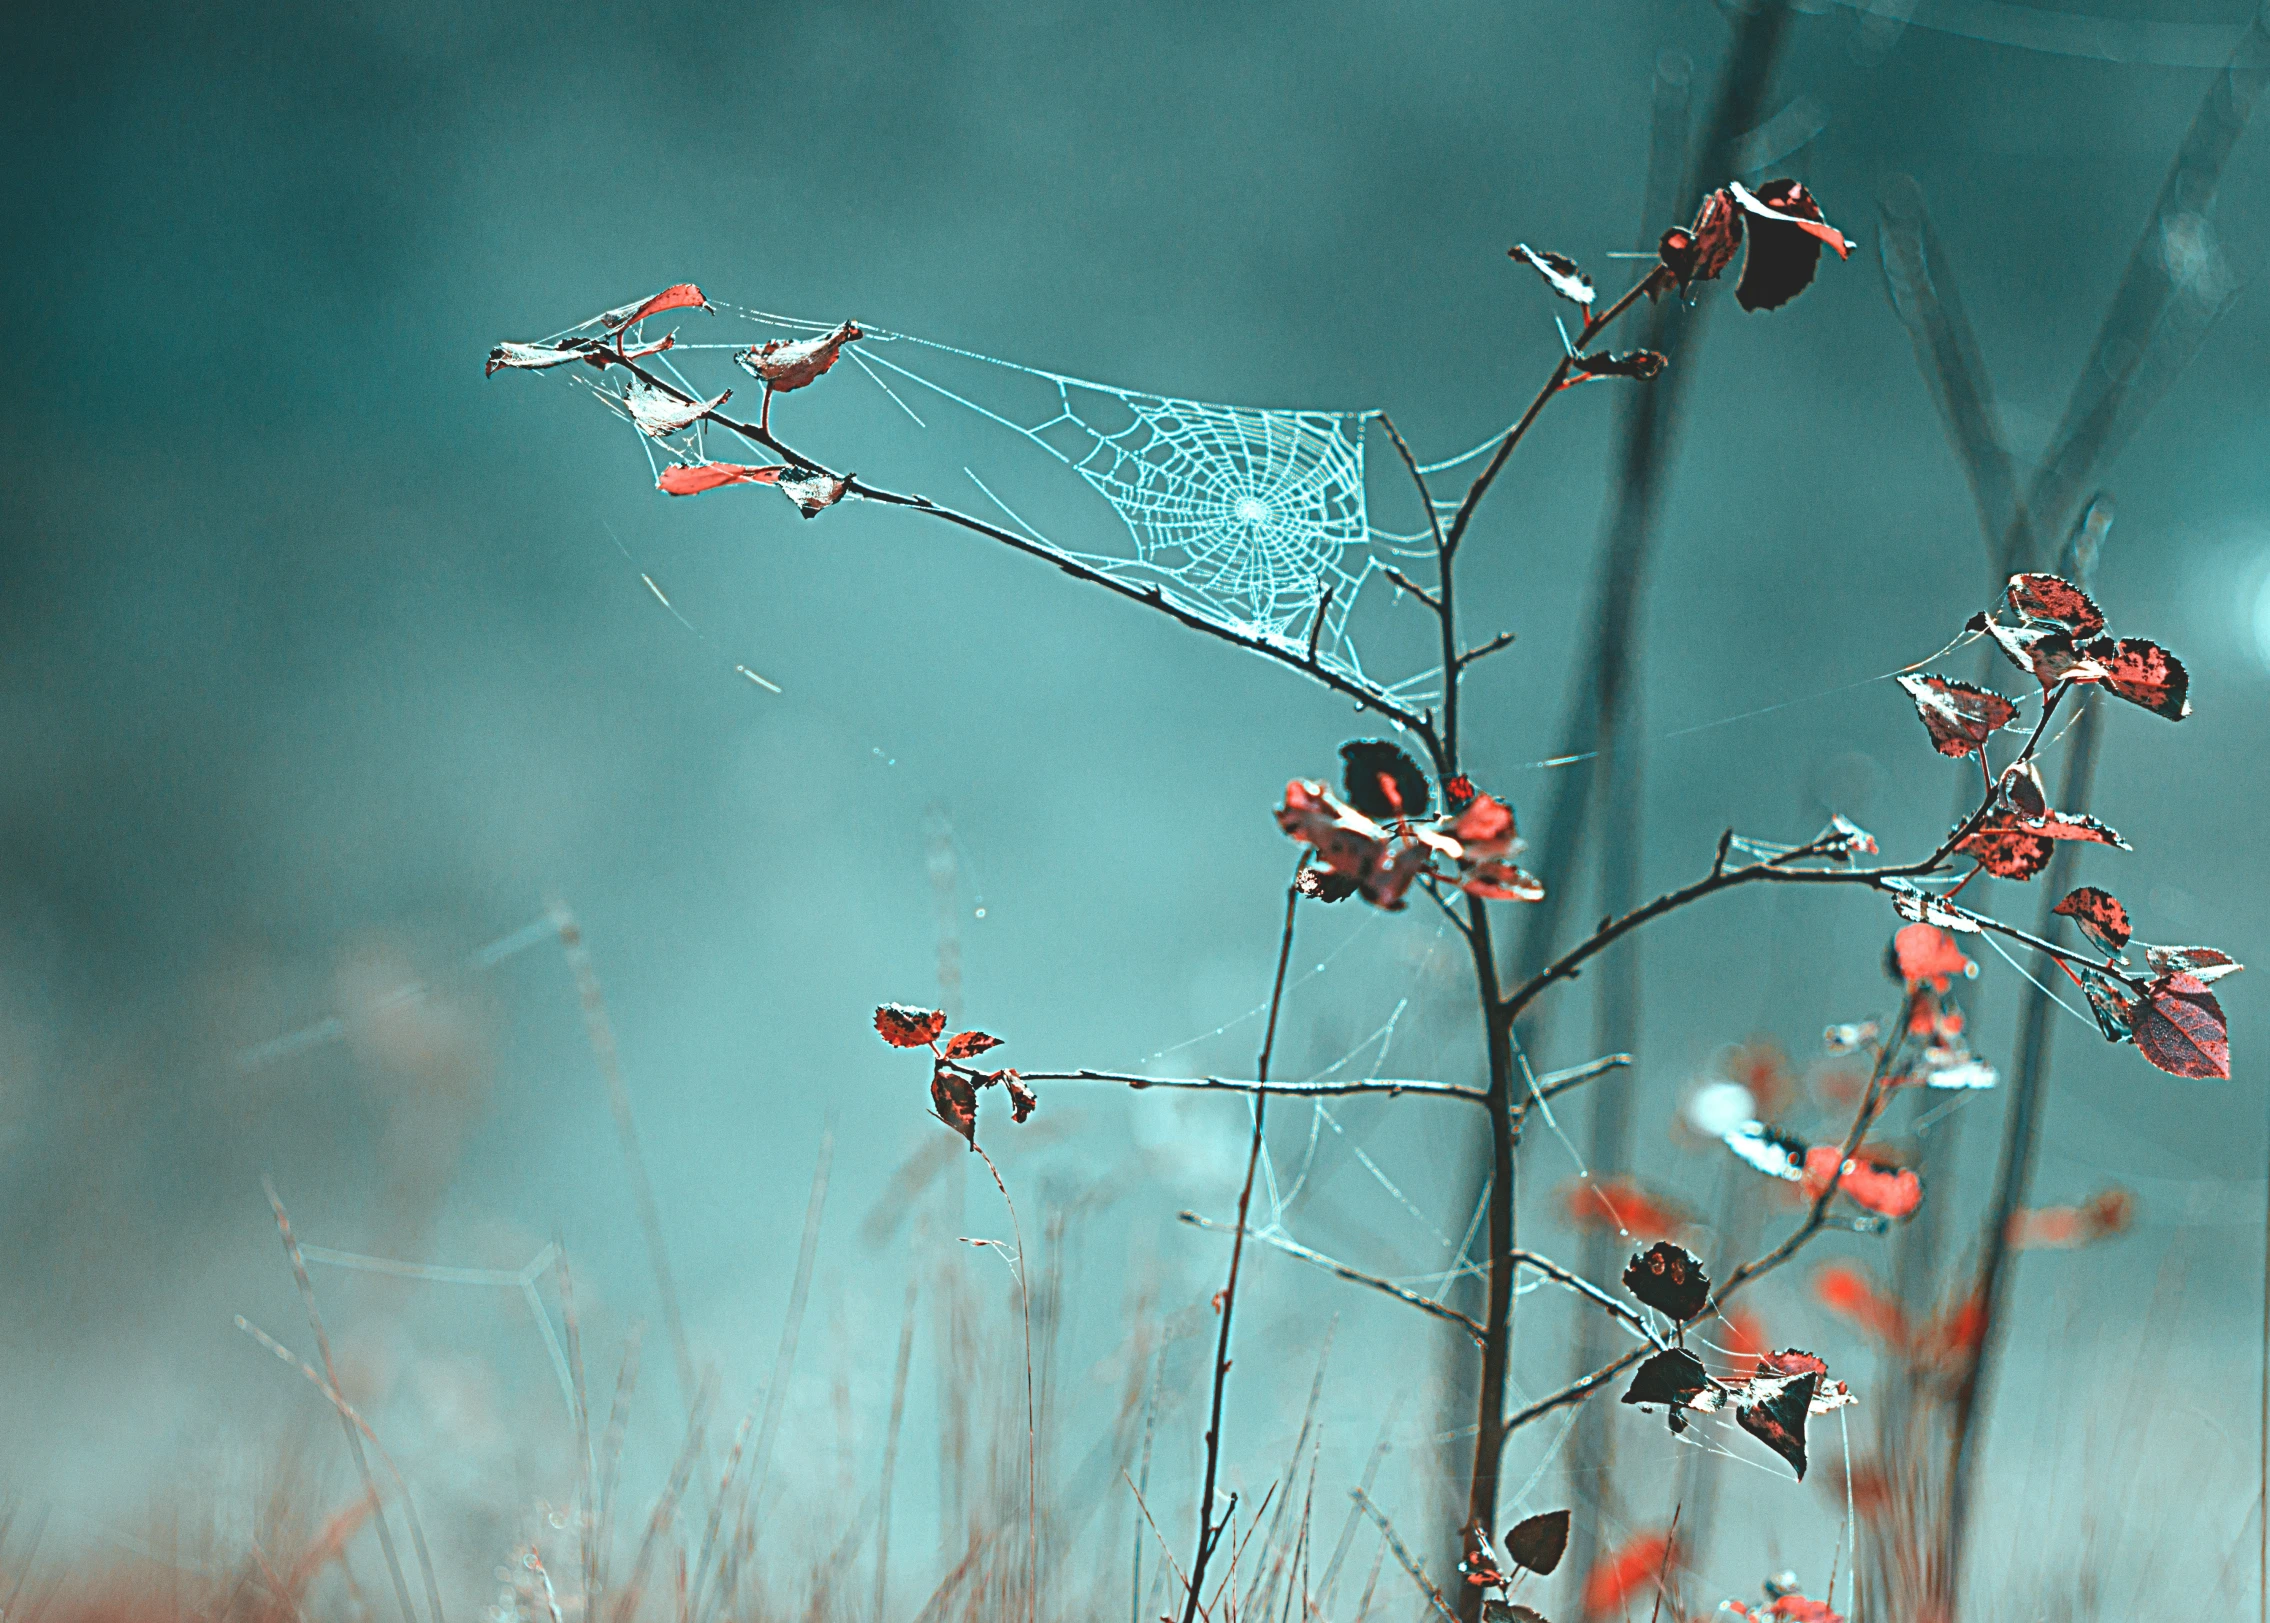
(1210, 1531)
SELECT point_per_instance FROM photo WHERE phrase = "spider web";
(1254, 520)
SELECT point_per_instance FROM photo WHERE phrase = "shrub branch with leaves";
(1407, 819)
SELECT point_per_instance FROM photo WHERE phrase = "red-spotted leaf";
(1779, 1421)
(2202, 964)
(684, 296)
(2053, 601)
(1669, 1279)
(904, 1026)
(1890, 1191)
(785, 364)
(691, 479)
(660, 413)
(2098, 915)
(2075, 826)
(1786, 233)
(1538, 1542)
(1502, 882)
(1560, 272)
(1382, 781)
(2144, 674)
(954, 1097)
(2179, 1027)
(2049, 652)
(1022, 1100)
(1701, 252)
(1959, 716)
(970, 1044)
(813, 492)
(2014, 847)
(1642, 365)
(1924, 952)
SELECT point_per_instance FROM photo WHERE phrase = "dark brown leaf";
(1641, 364)
(2053, 601)
(1560, 272)
(1786, 233)
(954, 1097)
(2098, 915)
(969, 1044)
(1960, 717)
(2180, 1028)
(2110, 1003)
(904, 1026)
(1702, 251)
(1323, 885)
(1779, 1422)
(1669, 1279)
(1673, 1378)
(2144, 674)
(1365, 762)
(1538, 1542)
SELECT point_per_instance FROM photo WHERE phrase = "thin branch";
(1413, 587)
(1502, 640)
(1298, 1090)
(1585, 1288)
(1553, 1084)
(1354, 1276)
(1426, 496)
(1417, 1572)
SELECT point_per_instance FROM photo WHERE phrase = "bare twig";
(1354, 1276)
(1402, 1555)
(1391, 1086)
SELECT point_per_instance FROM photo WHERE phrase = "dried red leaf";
(2144, 674)
(1479, 1563)
(691, 479)
(1538, 1542)
(1560, 272)
(2110, 1003)
(1779, 1421)
(2180, 1027)
(2054, 601)
(1622, 1206)
(1641, 365)
(684, 296)
(1925, 953)
(1959, 716)
(1484, 827)
(1702, 251)
(813, 492)
(1891, 1191)
(1022, 1100)
(1624, 1572)
(954, 1097)
(2203, 964)
(2049, 652)
(969, 1044)
(2098, 915)
(784, 364)
(1852, 1296)
(1365, 761)
(1669, 1279)
(1786, 233)
(1502, 882)
(904, 1026)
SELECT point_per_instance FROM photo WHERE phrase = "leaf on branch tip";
(684, 296)
(813, 492)
(1786, 233)
(1483, 827)
(785, 364)
(2202, 964)
(2052, 600)
(1366, 762)
(904, 1026)
(1538, 1542)
(1701, 252)
(2098, 915)
(692, 478)
(1560, 272)
(1643, 365)
(1670, 1279)
(1959, 716)
(2145, 674)
(1779, 1421)
(1022, 1100)
(2180, 1028)
(969, 1044)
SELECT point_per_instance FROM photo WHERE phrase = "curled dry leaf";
(812, 491)
(1022, 1100)
(1845, 839)
(1701, 252)
(2021, 789)
(1381, 781)
(969, 1044)
(2203, 964)
(692, 478)
(2054, 601)
(1538, 1542)
(1560, 272)
(2144, 674)
(2110, 1003)
(684, 296)
(539, 357)
(904, 1026)
(785, 364)
(1478, 1562)
(1496, 881)
(1910, 902)
(2049, 652)
(1675, 1378)
(2098, 915)
(954, 1097)
(659, 413)
(1959, 716)
(1786, 232)
(1642, 365)
(1669, 1279)
(1779, 1421)
(2180, 1028)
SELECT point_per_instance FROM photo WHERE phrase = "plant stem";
(1209, 1531)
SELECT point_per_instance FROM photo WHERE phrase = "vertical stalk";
(1497, 1319)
